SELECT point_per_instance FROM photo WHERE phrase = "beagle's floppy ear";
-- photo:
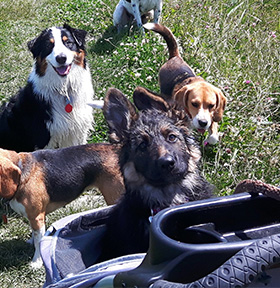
(9, 178)
(220, 106)
(181, 98)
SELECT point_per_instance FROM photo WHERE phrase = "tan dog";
(203, 102)
(38, 183)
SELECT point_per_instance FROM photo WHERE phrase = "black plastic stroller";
(231, 241)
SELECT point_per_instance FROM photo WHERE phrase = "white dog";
(127, 9)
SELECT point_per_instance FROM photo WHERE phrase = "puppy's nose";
(61, 58)
(202, 123)
(166, 162)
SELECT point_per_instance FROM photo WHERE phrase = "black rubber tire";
(240, 270)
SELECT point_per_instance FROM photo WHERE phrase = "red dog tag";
(68, 108)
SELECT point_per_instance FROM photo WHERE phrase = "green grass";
(232, 44)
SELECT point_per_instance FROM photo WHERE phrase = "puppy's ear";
(145, 99)
(78, 34)
(221, 105)
(119, 112)
(181, 98)
(9, 178)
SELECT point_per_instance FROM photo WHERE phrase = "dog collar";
(167, 89)
(181, 77)
(68, 100)
(68, 105)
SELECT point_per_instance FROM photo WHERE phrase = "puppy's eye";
(172, 138)
(195, 105)
(143, 146)
(211, 106)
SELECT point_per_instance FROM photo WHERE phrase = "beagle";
(40, 182)
(203, 102)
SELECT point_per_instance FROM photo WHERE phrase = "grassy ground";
(233, 44)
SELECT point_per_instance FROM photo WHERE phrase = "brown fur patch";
(162, 151)
(79, 58)
(9, 174)
(32, 191)
(41, 66)
(110, 176)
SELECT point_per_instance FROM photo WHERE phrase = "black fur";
(70, 170)
(23, 121)
(159, 161)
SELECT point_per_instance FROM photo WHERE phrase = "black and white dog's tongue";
(63, 70)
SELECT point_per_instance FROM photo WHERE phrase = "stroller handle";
(240, 270)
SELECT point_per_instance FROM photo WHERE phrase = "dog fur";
(159, 162)
(203, 102)
(40, 182)
(36, 117)
(126, 10)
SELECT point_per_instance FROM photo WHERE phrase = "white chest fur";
(66, 129)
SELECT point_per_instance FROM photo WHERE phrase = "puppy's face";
(157, 150)
(60, 47)
(156, 146)
(203, 102)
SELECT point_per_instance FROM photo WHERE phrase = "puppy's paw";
(212, 139)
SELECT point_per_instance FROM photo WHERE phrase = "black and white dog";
(128, 10)
(52, 110)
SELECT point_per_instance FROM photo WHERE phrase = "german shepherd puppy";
(159, 162)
